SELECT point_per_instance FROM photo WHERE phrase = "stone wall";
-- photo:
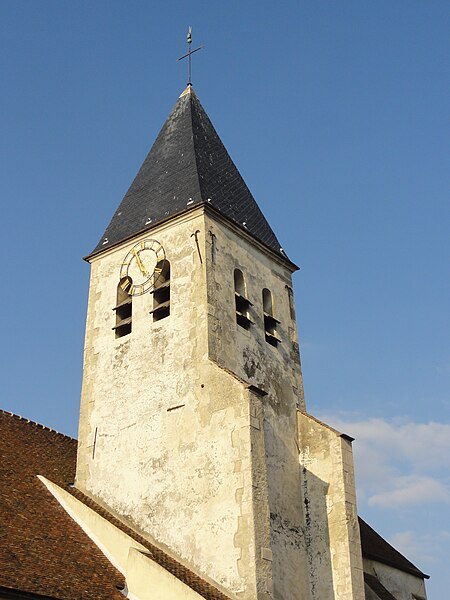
(172, 437)
(169, 471)
(276, 370)
(332, 532)
(403, 586)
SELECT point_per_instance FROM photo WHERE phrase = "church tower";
(192, 398)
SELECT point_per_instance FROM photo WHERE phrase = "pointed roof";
(187, 166)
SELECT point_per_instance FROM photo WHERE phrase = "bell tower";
(192, 383)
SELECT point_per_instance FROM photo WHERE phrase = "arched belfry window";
(123, 308)
(242, 302)
(161, 292)
(270, 323)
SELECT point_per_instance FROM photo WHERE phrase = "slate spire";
(187, 165)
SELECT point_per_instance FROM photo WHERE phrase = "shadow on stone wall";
(317, 537)
(298, 520)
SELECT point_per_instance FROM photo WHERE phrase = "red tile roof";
(43, 551)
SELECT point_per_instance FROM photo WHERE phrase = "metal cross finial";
(189, 53)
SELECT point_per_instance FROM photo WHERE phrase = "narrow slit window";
(291, 302)
(161, 292)
(270, 323)
(123, 308)
(241, 301)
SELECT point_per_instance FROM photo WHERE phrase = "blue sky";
(336, 114)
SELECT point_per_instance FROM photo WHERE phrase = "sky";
(336, 114)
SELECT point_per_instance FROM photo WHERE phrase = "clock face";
(142, 267)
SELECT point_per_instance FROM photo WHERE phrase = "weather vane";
(189, 53)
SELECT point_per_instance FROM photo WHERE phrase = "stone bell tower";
(192, 384)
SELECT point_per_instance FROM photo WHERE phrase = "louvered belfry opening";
(161, 292)
(241, 301)
(123, 308)
(270, 323)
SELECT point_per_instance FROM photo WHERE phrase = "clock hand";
(139, 263)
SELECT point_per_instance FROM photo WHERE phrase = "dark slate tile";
(187, 164)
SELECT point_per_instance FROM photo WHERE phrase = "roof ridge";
(190, 92)
(36, 424)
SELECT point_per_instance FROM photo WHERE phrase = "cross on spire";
(189, 53)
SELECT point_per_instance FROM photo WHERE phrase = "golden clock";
(142, 267)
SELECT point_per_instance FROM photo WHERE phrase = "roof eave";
(277, 255)
(208, 208)
(391, 563)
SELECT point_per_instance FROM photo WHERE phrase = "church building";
(198, 472)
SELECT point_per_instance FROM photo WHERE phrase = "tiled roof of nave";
(44, 551)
